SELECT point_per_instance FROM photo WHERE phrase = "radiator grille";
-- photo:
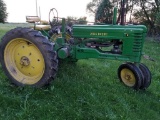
(137, 44)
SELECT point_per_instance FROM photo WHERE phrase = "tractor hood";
(107, 31)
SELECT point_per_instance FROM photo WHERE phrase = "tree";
(104, 12)
(103, 9)
(3, 13)
(92, 6)
(147, 14)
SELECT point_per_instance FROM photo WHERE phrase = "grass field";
(86, 90)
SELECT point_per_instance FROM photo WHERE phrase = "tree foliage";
(147, 14)
(92, 6)
(74, 20)
(102, 9)
(71, 20)
(3, 13)
(104, 12)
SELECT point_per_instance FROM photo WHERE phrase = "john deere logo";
(98, 34)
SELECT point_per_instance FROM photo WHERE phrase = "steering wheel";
(53, 17)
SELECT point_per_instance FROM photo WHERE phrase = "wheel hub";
(25, 61)
(128, 77)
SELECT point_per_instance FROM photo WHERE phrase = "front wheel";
(27, 57)
(147, 76)
(130, 75)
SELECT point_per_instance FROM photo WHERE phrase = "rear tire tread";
(42, 44)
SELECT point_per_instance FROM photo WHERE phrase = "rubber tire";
(147, 76)
(135, 70)
(142, 81)
(44, 46)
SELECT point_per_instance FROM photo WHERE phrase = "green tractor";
(29, 56)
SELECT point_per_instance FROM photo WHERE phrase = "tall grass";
(88, 89)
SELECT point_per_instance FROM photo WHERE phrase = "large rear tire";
(27, 57)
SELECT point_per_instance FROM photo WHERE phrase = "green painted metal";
(105, 31)
(63, 28)
(119, 42)
(115, 16)
(63, 53)
(132, 38)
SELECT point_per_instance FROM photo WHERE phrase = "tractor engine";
(104, 41)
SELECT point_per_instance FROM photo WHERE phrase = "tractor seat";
(42, 27)
(38, 23)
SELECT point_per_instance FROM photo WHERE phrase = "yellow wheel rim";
(24, 61)
(128, 77)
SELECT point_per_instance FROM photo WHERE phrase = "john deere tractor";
(29, 56)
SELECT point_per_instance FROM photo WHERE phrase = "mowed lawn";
(86, 90)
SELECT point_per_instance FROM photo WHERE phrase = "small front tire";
(147, 76)
(130, 75)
